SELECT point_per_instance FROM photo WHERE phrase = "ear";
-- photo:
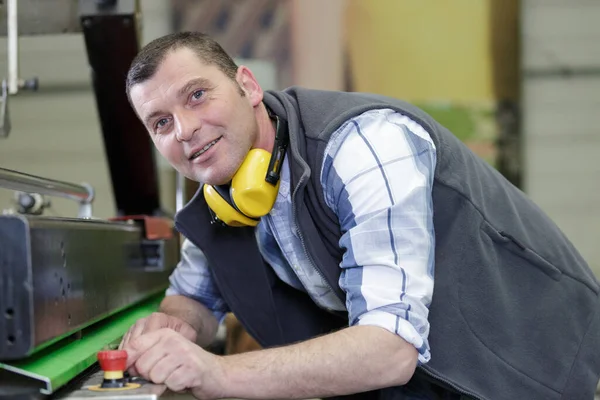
(249, 85)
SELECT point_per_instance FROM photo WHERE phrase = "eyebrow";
(181, 92)
(151, 116)
(194, 82)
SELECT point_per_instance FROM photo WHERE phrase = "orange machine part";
(154, 227)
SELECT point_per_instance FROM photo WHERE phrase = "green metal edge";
(63, 361)
(91, 322)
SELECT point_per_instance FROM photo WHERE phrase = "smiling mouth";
(204, 149)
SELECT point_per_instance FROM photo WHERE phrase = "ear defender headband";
(252, 192)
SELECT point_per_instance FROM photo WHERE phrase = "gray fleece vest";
(515, 311)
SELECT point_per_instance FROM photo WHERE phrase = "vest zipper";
(299, 232)
(310, 259)
(449, 384)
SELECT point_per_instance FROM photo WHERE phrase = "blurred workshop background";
(517, 81)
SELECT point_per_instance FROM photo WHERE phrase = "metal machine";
(70, 287)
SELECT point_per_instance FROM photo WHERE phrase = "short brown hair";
(147, 61)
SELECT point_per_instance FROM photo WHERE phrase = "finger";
(136, 347)
(188, 332)
(133, 371)
(155, 322)
(138, 328)
(163, 368)
(125, 339)
(150, 360)
(178, 380)
(135, 328)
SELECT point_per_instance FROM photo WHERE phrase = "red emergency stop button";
(113, 363)
(112, 360)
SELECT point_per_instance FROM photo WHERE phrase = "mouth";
(203, 150)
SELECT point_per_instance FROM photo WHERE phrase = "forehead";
(178, 67)
(183, 61)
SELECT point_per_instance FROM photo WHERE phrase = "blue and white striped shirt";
(377, 177)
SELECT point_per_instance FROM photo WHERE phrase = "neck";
(266, 130)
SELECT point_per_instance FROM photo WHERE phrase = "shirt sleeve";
(378, 177)
(192, 278)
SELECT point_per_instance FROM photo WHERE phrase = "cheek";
(169, 150)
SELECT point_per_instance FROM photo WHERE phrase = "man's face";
(197, 116)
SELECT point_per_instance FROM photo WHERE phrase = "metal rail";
(84, 194)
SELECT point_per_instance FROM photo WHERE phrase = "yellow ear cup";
(251, 194)
(224, 211)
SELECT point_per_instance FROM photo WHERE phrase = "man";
(373, 201)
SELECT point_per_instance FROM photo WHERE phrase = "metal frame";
(13, 83)
(13, 47)
(84, 194)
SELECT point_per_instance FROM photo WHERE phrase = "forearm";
(352, 360)
(195, 314)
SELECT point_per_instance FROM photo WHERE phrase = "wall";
(561, 121)
(421, 51)
(318, 43)
(436, 54)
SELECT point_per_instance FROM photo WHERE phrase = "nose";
(186, 123)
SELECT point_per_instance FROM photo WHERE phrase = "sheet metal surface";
(60, 275)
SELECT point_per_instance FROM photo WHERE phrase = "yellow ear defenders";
(254, 187)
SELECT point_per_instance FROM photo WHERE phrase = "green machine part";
(59, 363)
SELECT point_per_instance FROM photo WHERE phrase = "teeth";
(208, 146)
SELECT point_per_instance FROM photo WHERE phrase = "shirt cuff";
(400, 327)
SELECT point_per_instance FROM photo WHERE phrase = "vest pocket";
(520, 307)
(509, 243)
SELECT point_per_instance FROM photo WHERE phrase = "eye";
(161, 123)
(197, 94)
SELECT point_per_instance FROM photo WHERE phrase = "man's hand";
(167, 357)
(340, 363)
(156, 321)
